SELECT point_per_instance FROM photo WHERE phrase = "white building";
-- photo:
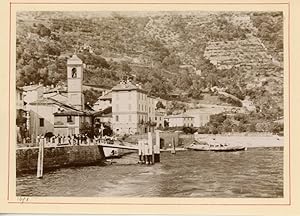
(21, 116)
(132, 110)
(151, 104)
(200, 118)
(19, 98)
(181, 120)
(159, 119)
(32, 93)
(104, 101)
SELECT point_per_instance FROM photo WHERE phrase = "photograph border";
(287, 136)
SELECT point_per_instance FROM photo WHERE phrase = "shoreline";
(253, 141)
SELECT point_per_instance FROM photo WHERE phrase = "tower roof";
(74, 60)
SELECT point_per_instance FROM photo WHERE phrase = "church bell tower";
(75, 77)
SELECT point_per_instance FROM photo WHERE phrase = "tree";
(166, 124)
(252, 127)
(42, 30)
(86, 128)
(189, 130)
(277, 128)
(91, 95)
(160, 105)
(227, 125)
(203, 130)
(107, 131)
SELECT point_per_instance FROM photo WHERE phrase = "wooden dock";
(118, 146)
(136, 148)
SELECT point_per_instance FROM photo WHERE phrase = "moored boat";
(215, 146)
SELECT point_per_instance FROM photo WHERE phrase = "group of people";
(62, 139)
(104, 139)
(75, 139)
(78, 139)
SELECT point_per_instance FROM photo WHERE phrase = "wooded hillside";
(183, 52)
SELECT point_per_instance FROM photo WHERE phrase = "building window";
(155, 118)
(69, 119)
(42, 122)
(20, 96)
(129, 106)
(117, 118)
(74, 72)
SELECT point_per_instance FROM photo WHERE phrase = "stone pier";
(57, 157)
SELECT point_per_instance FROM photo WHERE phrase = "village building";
(21, 116)
(159, 119)
(151, 108)
(132, 110)
(103, 116)
(69, 121)
(59, 92)
(200, 117)
(104, 101)
(19, 98)
(180, 120)
(32, 93)
(43, 119)
(59, 110)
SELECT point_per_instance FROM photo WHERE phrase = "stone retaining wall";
(56, 157)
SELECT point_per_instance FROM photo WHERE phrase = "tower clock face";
(74, 72)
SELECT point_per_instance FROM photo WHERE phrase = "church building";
(68, 121)
(58, 114)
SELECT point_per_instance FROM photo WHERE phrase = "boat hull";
(219, 149)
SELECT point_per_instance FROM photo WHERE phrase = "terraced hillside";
(170, 53)
(246, 53)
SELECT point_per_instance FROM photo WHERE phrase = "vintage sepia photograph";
(185, 104)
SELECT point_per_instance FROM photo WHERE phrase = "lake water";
(257, 172)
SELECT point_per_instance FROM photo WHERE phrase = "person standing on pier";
(38, 139)
(81, 139)
(69, 139)
(77, 138)
(59, 139)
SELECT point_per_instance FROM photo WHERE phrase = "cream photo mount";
(163, 205)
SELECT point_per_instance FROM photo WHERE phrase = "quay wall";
(57, 157)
